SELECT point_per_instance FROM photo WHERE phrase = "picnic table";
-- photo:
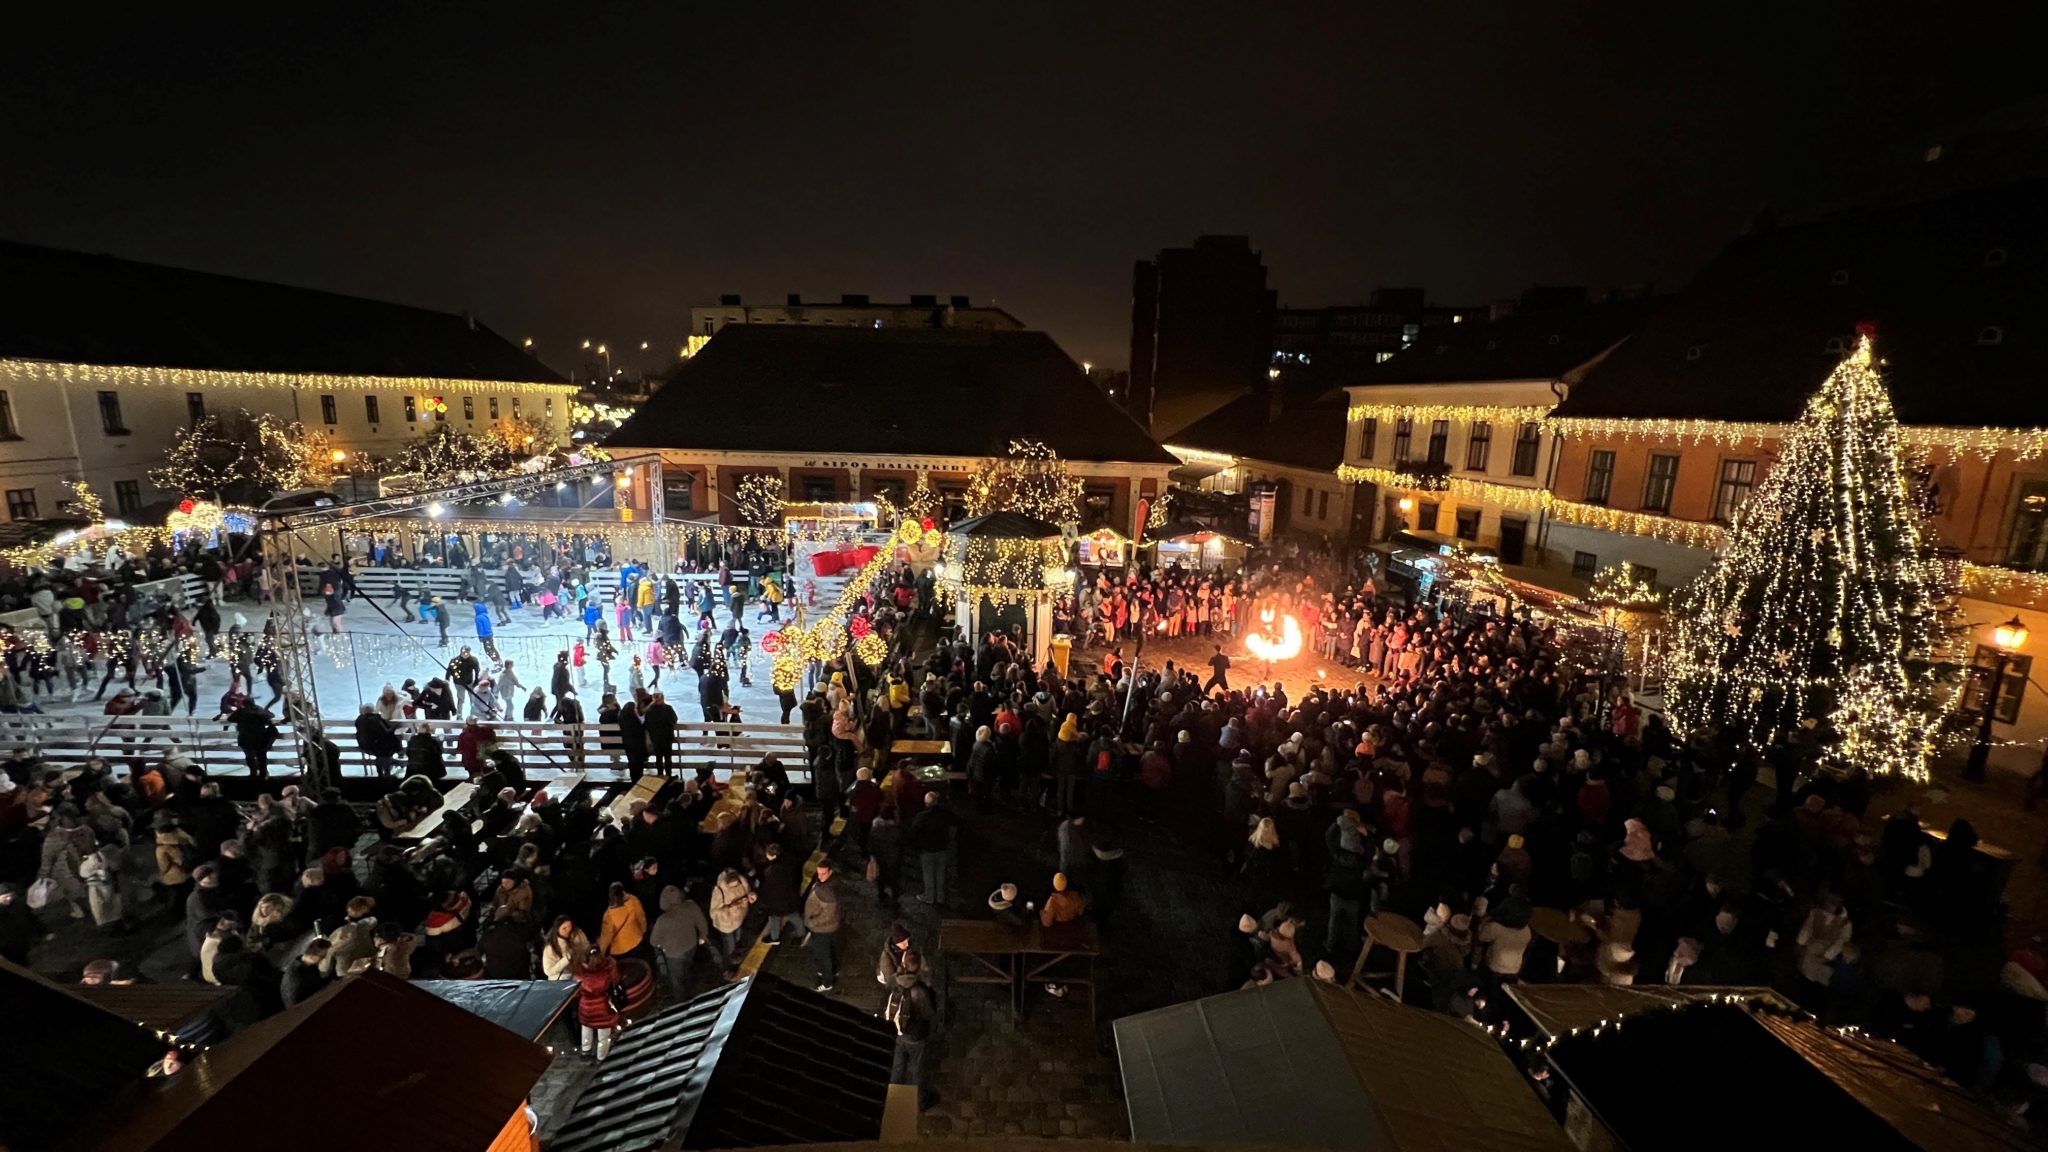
(452, 801)
(559, 788)
(926, 750)
(1018, 957)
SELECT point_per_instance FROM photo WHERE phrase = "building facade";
(1664, 441)
(854, 310)
(1351, 335)
(863, 412)
(1450, 434)
(104, 362)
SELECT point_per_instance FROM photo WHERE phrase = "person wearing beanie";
(1063, 905)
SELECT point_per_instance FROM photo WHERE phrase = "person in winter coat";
(565, 946)
(781, 894)
(506, 948)
(354, 941)
(377, 738)
(175, 851)
(730, 899)
(623, 930)
(102, 876)
(600, 1022)
(66, 844)
(885, 848)
(306, 975)
(394, 950)
(821, 922)
(678, 932)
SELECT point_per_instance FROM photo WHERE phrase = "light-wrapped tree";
(1827, 604)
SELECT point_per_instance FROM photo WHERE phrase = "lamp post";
(1406, 506)
(2008, 638)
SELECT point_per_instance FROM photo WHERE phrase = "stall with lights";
(1194, 545)
(1005, 570)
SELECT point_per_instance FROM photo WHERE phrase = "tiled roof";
(890, 391)
(82, 308)
(1311, 436)
(1957, 287)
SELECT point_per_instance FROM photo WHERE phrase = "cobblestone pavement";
(1051, 1073)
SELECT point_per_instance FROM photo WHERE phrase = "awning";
(1306, 1064)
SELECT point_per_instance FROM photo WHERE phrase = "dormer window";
(1840, 277)
(1991, 334)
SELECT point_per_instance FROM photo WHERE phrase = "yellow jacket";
(644, 597)
(624, 927)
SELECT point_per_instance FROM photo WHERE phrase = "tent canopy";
(1305, 1064)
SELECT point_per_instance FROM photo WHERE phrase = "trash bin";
(1062, 650)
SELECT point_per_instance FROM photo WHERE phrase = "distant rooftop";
(898, 391)
(83, 308)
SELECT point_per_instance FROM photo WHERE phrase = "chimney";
(796, 300)
(961, 302)
(729, 300)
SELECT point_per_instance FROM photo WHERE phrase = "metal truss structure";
(285, 548)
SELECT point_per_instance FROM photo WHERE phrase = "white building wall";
(60, 433)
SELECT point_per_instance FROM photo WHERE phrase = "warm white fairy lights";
(1031, 479)
(1983, 443)
(195, 379)
(1823, 596)
(1515, 413)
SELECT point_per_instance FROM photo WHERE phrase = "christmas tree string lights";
(1827, 600)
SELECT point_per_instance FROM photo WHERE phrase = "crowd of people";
(1526, 816)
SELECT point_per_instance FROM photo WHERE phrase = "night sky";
(592, 173)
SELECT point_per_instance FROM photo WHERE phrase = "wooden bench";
(645, 789)
(452, 801)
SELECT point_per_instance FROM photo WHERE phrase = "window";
(1643, 572)
(1425, 516)
(21, 503)
(2026, 545)
(440, 410)
(1368, 437)
(327, 412)
(1585, 565)
(515, 406)
(548, 407)
(817, 489)
(1439, 440)
(412, 410)
(7, 427)
(1480, 447)
(494, 407)
(1525, 448)
(1322, 505)
(469, 407)
(127, 496)
(110, 415)
(195, 408)
(1468, 523)
(709, 325)
(1600, 476)
(1404, 438)
(370, 408)
(1662, 481)
(1308, 501)
(1738, 478)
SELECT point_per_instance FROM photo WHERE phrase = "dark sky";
(590, 172)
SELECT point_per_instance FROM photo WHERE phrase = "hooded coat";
(681, 927)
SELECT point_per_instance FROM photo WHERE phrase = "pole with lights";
(2006, 641)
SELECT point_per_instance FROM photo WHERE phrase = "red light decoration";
(927, 523)
(860, 626)
(771, 643)
(186, 505)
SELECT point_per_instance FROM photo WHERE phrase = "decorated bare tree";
(1031, 479)
(237, 456)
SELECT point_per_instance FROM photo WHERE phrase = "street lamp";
(1406, 506)
(2008, 638)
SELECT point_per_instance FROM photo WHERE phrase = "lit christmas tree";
(1826, 603)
